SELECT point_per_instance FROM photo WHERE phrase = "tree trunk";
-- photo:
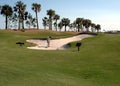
(23, 24)
(29, 27)
(81, 27)
(92, 29)
(97, 31)
(65, 28)
(56, 25)
(50, 24)
(87, 29)
(37, 21)
(78, 28)
(19, 24)
(19, 19)
(6, 22)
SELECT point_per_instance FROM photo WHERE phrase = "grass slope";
(97, 63)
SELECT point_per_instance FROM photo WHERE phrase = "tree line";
(17, 17)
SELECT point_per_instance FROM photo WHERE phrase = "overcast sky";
(103, 12)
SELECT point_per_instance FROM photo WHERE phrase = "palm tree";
(14, 20)
(20, 8)
(50, 13)
(55, 25)
(92, 27)
(28, 24)
(29, 21)
(45, 22)
(9, 25)
(6, 11)
(56, 18)
(60, 25)
(79, 22)
(33, 22)
(71, 27)
(74, 25)
(86, 24)
(97, 27)
(36, 8)
(65, 22)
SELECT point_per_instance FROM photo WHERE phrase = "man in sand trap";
(48, 41)
(57, 43)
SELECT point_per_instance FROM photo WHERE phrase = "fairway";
(96, 64)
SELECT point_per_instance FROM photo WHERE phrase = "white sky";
(103, 12)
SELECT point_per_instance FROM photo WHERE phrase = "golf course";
(96, 64)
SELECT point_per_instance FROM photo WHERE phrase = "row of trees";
(17, 16)
(80, 24)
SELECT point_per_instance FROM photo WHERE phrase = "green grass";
(97, 63)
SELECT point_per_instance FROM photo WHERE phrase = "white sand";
(57, 44)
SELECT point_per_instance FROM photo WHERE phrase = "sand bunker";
(57, 44)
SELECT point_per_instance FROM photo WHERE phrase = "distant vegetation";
(17, 17)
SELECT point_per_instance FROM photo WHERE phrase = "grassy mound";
(96, 64)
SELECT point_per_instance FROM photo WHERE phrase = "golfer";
(48, 41)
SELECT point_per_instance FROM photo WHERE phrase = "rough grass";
(97, 63)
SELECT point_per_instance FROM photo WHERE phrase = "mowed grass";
(96, 64)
